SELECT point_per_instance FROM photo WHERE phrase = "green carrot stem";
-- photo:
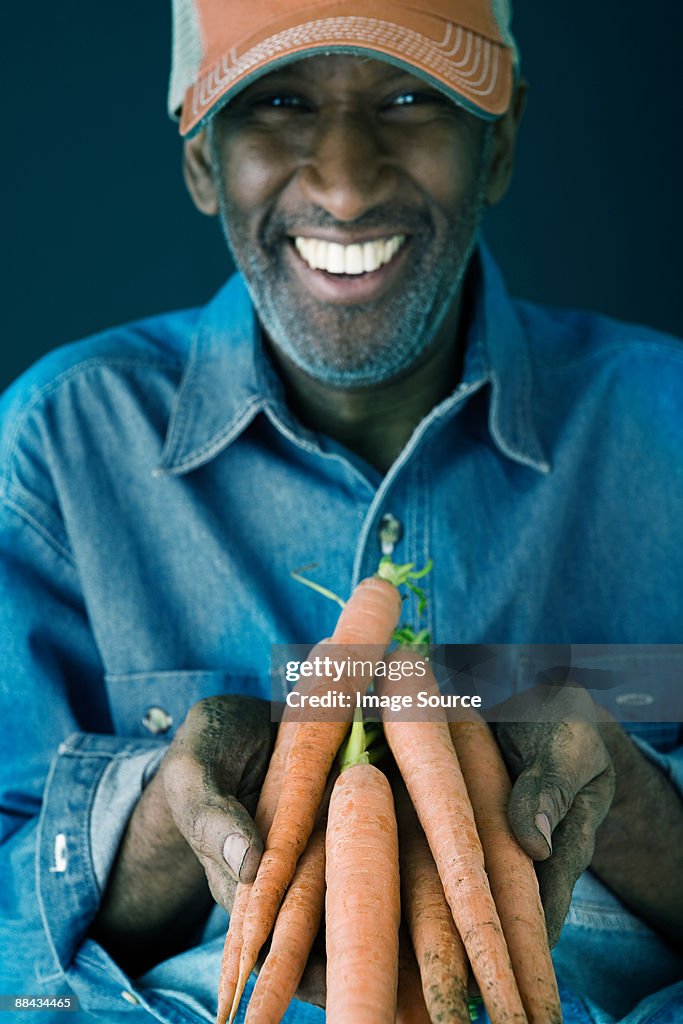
(354, 749)
(318, 588)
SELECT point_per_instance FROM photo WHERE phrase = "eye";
(418, 102)
(415, 99)
(280, 101)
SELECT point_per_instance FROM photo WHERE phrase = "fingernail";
(234, 851)
(542, 823)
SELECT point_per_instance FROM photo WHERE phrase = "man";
(366, 371)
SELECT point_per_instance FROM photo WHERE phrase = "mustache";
(408, 218)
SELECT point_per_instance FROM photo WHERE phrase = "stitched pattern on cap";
(480, 57)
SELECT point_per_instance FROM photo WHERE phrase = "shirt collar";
(498, 353)
(228, 379)
(226, 382)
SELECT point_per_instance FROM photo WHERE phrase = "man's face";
(350, 194)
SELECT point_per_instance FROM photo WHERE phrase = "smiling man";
(363, 384)
(353, 213)
(350, 192)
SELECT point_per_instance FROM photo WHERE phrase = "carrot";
(263, 819)
(368, 618)
(227, 983)
(265, 811)
(426, 759)
(295, 929)
(441, 956)
(410, 1004)
(511, 872)
(363, 902)
(293, 937)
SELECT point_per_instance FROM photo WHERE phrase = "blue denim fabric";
(155, 492)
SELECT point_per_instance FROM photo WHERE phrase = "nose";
(347, 171)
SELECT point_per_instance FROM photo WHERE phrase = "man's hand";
(212, 772)
(564, 784)
(639, 846)
(191, 835)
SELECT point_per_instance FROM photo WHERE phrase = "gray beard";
(350, 347)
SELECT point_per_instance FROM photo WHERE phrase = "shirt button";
(390, 531)
(156, 720)
(130, 998)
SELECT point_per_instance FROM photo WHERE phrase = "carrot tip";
(241, 984)
(223, 1007)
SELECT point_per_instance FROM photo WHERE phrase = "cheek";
(255, 170)
(448, 181)
(445, 167)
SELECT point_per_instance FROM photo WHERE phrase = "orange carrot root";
(231, 950)
(426, 759)
(510, 871)
(369, 618)
(293, 937)
(313, 752)
(363, 902)
(265, 811)
(410, 1005)
(441, 956)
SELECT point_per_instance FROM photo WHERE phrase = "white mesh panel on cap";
(502, 10)
(186, 53)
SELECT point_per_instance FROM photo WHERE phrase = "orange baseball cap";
(463, 47)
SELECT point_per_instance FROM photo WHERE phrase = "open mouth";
(348, 260)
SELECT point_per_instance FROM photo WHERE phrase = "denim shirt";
(156, 492)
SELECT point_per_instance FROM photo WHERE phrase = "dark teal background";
(97, 227)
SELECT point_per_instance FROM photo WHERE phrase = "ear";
(198, 173)
(502, 158)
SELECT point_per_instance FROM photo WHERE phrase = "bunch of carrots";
(428, 843)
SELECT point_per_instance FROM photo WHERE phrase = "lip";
(348, 237)
(348, 289)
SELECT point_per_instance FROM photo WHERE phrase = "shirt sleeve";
(64, 778)
(670, 763)
(89, 773)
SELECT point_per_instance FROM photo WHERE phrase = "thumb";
(538, 803)
(226, 840)
(242, 846)
(572, 756)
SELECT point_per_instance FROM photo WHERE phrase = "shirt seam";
(88, 753)
(661, 349)
(210, 448)
(278, 424)
(27, 508)
(594, 915)
(38, 868)
(525, 447)
(142, 675)
(42, 530)
(65, 750)
(179, 412)
(55, 383)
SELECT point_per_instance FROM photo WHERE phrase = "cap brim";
(475, 71)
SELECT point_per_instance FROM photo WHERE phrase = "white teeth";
(335, 258)
(371, 259)
(320, 253)
(303, 247)
(347, 259)
(353, 260)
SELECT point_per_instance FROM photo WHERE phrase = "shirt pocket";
(156, 703)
